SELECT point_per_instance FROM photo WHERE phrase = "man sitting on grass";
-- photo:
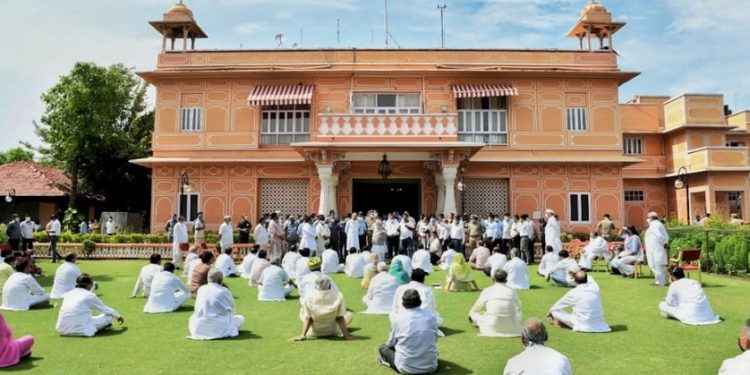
(740, 364)
(306, 283)
(75, 317)
(495, 262)
(355, 264)
(518, 271)
(562, 272)
(323, 312)
(168, 292)
(425, 294)
(65, 276)
(687, 302)
(274, 283)
(537, 358)
(412, 344)
(146, 277)
(330, 259)
(379, 297)
(497, 312)
(421, 259)
(586, 303)
(259, 265)
(21, 291)
(225, 263)
(479, 256)
(199, 275)
(548, 261)
(214, 317)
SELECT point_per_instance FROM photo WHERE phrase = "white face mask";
(648, 219)
(28, 219)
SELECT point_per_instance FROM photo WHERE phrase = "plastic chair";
(689, 260)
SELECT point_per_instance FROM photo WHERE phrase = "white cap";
(652, 214)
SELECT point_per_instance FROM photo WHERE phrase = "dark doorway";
(387, 196)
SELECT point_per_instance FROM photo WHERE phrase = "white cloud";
(708, 15)
(246, 28)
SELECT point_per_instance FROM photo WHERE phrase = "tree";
(95, 120)
(16, 154)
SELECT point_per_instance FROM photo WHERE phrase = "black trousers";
(53, 248)
(527, 249)
(393, 244)
(15, 243)
(27, 244)
(388, 355)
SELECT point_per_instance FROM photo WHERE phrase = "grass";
(643, 342)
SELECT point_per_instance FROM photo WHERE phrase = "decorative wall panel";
(285, 195)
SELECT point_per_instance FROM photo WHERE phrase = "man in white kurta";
(330, 259)
(260, 234)
(75, 317)
(179, 237)
(537, 358)
(306, 282)
(190, 257)
(586, 303)
(548, 261)
(214, 316)
(657, 240)
(302, 268)
(552, 231)
(379, 297)
(425, 294)
(352, 232)
(497, 312)
(21, 291)
(687, 302)
(739, 365)
(259, 265)
(421, 259)
(225, 263)
(226, 233)
(446, 260)
(323, 234)
(146, 276)
(323, 313)
(355, 265)
(308, 237)
(562, 271)
(246, 267)
(518, 271)
(597, 247)
(65, 276)
(289, 262)
(274, 283)
(168, 292)
(495, 262)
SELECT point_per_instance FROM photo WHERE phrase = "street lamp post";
(682, 182)
(462, 188)
(10, 197)
(184, 183)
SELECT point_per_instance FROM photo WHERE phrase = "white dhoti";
(563, 317)
(380, 250)
(587, 258)
(101, 321)
(626, 264)
(176, 254)
(658, 266)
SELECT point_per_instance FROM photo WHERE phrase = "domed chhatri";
(595, 22)
(178, 23)
(179, 9)
(596, 12)
(594, 7)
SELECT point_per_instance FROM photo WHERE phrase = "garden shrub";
(3, 236)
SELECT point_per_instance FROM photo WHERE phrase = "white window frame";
(189, 207)
(576, 119)
(632, 146)
(734, 196)
(570, 211)
(295, 127)
(377, 110)
(191, 119)
(634, 195)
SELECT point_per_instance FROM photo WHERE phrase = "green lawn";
(643, 342)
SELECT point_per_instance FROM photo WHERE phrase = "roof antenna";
(280, 38)
(385, 6)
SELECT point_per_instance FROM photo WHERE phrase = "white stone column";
(324, 174)
(449, 182)
(333, 195)
(440, 193)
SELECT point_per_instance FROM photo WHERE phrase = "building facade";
(254, 131)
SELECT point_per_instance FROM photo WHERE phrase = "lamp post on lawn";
(462, 188)
(682, 182)
(10, 197)
(185, 187)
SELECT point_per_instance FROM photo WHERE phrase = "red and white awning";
(281, 95)
(478, 91)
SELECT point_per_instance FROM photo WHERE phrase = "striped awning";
(281, 95)
(477, 91)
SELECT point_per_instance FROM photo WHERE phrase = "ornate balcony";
(717, 158)
(365, 127)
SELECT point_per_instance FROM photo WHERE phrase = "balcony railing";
(489, 126)
(438, 125)
(718, 157)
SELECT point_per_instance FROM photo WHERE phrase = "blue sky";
(678, 45)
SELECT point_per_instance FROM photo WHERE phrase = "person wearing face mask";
(14, 233)
(657, 241)
(740, 364)
(27, 234)
(552, 231)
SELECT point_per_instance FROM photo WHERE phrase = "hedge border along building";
(305, 130)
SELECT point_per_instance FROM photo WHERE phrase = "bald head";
(580, 277)
(534, 332)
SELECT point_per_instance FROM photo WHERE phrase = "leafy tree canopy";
(16, 154)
